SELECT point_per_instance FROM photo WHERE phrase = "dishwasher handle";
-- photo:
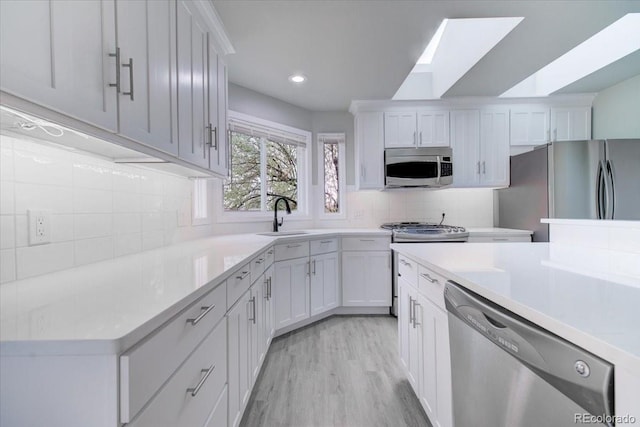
(580, 375)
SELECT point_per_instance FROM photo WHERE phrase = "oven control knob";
(582, 368)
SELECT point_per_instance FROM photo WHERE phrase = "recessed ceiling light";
(297, 78)
(609, 45)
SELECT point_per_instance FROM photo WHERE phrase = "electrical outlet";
(39, 226)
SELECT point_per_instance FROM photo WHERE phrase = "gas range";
(425, 232)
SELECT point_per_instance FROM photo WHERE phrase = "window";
(267, 160)
(332, 170)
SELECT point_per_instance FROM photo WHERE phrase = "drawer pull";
(429, 278)
(293, 246)
(270, 252)
(242, 275)
(403, 262)
(253, 310)
(259, 260)
(367, 240)
(197, 388)
(326, 241)
(498, 239)
(206, 311)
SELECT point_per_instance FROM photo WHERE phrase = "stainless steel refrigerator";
(598, 179)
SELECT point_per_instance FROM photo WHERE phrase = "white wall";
(616, 111)
(100, 210)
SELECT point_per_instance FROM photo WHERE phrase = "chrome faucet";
(277, 224)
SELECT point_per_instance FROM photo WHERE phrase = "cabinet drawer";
(431, 285)
(238, 284)
(366, 243)
(258, 266)
(323, 246)
(204, 374)
(292, 250)
(408, 270)
(269, 257)
(144, 368)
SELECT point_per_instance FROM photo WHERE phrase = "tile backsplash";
(99, 209)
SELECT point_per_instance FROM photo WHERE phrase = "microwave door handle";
(439, 166)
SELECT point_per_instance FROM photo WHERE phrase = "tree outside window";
(331, 154)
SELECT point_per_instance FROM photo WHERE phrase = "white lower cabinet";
(269, 311)
(239, 357)
(366, 278)
(218, 417)
(324, 282)
(291, 291)
(186, 399)
(256, 324)
(423, 344)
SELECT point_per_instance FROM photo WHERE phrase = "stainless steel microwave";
(418, 167)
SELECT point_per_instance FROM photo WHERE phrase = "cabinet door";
(291, 291)
(429, 372)
(370, 151)
(433, 128)
(465, 143)
(570, 124)
(529, 126)
(255, 329)
(404, 323)
(147, 41)
(269, 307)
(400, 130)
(494, 148)
(444, 397)
(193, 131)
(415, 342)
(324, 283)
(219, 150)
(366, 278)
(56, 54)
(239, 360)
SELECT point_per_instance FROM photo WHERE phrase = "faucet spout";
(277, 223)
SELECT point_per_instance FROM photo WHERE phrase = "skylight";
(457, 45)
(609, 45)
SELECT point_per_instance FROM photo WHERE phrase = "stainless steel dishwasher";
(508, 372)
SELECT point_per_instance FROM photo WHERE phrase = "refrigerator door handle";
(611, 195)
(599, 192)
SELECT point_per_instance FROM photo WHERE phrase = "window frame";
(342, 178)
(303, 212)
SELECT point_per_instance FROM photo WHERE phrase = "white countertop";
(496, 231)
(542, 283)
(106, 307)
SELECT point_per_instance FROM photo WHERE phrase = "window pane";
(282, 173)
(331, 189)
(242, 189)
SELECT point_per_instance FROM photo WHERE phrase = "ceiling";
(365, 49)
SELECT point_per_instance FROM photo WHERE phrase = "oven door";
(412, 171)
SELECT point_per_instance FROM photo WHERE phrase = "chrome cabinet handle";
(117, 83)
(266, 288)
(308, 268)
(314, 267)
(497, 239)
(130, 66)
(253, 310)
(484, 167)
(415, 323)
(269, 287)
(270, 252)
(293, 246)
(429, 278)
(214, 141)
(198, 386)
(242, 275)
(206, 311)
(410, 310)
(420, 137)
(367, 240)
(403, 262)
(478, 167)
(325, 241)
(259, 260)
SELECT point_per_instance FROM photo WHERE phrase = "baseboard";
(338, 311)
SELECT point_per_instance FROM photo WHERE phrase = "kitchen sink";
(283, 233)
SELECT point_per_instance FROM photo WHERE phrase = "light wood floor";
(342, 371)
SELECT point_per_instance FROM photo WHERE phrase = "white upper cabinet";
(480, 142)
(433, 128)
(529, 125)
(416, 129)
(194, 133)
(400, 129)
(218, 150)
(570, 123)
(147, 41)
(369, 151)
(465, 142)
(57, 54)
(494, 148)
